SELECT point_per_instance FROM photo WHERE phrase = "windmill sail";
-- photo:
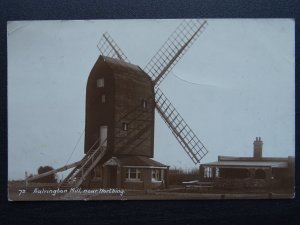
(108, 47)
(173, 49)
(183, 133)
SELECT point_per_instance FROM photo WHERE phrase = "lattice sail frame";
(158, 68)
(182, 132)
(173, 49)
(108, 47)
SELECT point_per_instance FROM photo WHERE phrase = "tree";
(47, 179)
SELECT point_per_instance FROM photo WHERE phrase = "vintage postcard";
(151, 109)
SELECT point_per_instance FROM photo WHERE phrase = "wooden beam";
(66, 167)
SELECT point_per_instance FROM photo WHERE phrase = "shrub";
(47, 179)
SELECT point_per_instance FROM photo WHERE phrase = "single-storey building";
(250, 172)
(131, 172)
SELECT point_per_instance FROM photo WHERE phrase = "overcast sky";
(236, 82)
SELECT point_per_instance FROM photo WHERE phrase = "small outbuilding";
(250, 172)
(132, 172)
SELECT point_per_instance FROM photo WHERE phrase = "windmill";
(120, 103)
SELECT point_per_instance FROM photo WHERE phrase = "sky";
(235, 83)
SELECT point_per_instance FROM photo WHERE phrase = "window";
(156, 174)
(207, 172)
(100, 82)
(133, 174)
(217, 172)
(125, 126)
(103, 98)
(144, 104)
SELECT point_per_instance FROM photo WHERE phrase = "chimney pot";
(257, 148)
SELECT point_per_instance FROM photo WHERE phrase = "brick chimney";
(257, 148)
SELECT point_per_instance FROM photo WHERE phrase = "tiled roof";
(139, 161)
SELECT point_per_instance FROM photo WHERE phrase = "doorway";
(112, 176)
(103, 136)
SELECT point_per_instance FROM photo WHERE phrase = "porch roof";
(139, 161)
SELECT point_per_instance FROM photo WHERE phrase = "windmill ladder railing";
(86, 156)
(91, 159)
(183, 133)
(90, 164)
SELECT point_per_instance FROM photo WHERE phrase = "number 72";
(22, 192)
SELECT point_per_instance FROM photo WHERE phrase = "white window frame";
(155, 175)
(100, 82)
(133, 174)
(207, 172)
(217, 172)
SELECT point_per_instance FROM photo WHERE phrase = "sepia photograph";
(153, 109)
